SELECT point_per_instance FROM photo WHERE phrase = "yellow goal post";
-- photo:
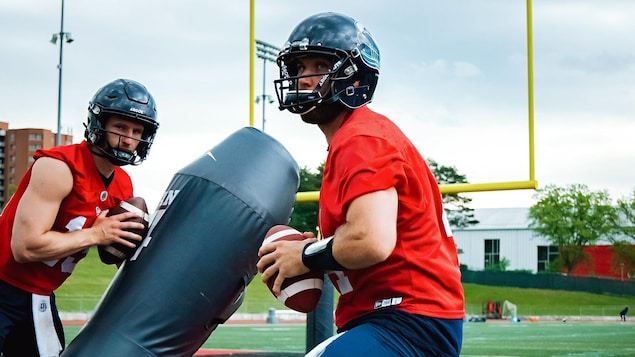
(530, 183)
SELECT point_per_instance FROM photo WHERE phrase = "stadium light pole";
(62, 37)
(268, 53)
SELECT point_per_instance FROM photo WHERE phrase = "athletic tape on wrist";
(319, 256)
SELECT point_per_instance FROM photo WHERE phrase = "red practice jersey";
(370, 153)
(78, 210)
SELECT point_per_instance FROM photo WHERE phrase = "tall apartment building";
(17, 147)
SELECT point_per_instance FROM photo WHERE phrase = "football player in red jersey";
(59, 211)
(389, 249)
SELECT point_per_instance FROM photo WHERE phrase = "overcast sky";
(453, 77)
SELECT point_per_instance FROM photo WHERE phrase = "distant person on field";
(623, 313)
(59, 211)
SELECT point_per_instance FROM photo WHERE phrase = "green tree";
(571, 218)
(624, 241)
(304, 217)
(305, 214)
(460, 215)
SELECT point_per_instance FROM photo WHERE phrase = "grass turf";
(83, 290)
(539, 339)
(549, 339)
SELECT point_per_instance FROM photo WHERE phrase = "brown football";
(116, 253)
(300, 293)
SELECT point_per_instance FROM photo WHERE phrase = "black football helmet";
(355, 59)
(129, 99)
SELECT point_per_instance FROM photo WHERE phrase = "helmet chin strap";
(121, 158)
(116, 157)
(324, 113)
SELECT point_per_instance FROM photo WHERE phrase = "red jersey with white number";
(78, 210)
(421, 276)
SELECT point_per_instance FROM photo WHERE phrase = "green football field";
(494, 338)
(501, 338)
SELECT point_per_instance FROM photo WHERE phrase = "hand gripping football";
(300, 293)
(117, 253)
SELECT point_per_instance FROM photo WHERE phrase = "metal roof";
(499, 218)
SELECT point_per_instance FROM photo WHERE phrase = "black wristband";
(319, 256)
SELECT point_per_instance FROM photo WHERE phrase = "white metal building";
(503, 233)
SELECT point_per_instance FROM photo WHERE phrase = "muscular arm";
(369, 234)
(366, 238)
(33, 240)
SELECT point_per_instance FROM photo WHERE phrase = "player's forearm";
(369, 234)
(50, 245)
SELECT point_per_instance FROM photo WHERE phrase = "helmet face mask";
(353, 76)
(112, 148)
(131, 101)
(302, 101)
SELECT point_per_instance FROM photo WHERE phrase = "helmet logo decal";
(136, 110)
(303, 45)
(322, 81)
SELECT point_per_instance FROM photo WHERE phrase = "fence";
(87, 303)
(550, 281)
(595, 312)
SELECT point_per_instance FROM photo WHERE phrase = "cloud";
(449, 69)
(453, 76)
(600, 64)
